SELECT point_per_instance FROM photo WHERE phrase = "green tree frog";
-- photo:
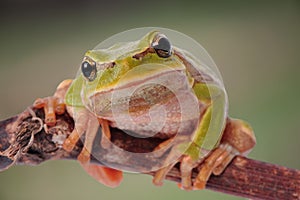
(119, 86)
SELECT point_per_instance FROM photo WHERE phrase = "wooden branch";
(22, 141)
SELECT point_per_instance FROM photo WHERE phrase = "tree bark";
(23, 140)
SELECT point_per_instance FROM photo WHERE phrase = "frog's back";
(121, 50)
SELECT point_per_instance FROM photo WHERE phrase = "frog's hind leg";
(238, 139)
(107, 176)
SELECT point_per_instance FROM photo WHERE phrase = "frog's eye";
(89, 71)
(162, 46)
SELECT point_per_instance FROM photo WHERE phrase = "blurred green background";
(255, 44)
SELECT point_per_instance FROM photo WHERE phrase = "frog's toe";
(184, 187)
(52, 106)
(68, 145)
(186, 167)
(224, 163)
(160, 174)
(206, 168)
(48, 105)
(73, 138)
(170, 161)
(84, 156)
(60, 108)
(215, 163)
(50, 119)
(199, 185)
(63, 87)
(39, 103)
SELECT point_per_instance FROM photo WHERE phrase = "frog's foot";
(186, 168)
(238, 139)
(173, 157)
(160, 174)
(187, 164)
(53, 105)
(107, 176)
(216, 158)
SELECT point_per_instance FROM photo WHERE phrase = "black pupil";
(163, 47)
(87, 70)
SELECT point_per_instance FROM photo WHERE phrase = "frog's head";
(125, 64)
(103, 68)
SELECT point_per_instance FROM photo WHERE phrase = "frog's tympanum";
(110, 91)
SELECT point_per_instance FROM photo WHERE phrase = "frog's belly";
(161, 120)
(169, 129)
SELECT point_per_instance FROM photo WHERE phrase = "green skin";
(209, 93)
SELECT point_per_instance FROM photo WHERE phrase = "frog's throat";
(138, 79)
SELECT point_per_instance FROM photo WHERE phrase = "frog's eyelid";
(89, 60)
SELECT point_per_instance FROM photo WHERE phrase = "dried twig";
(243, 177)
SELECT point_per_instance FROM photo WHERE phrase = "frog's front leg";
(85, 123)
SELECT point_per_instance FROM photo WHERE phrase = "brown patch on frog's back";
(194, 72)
(139, 56)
